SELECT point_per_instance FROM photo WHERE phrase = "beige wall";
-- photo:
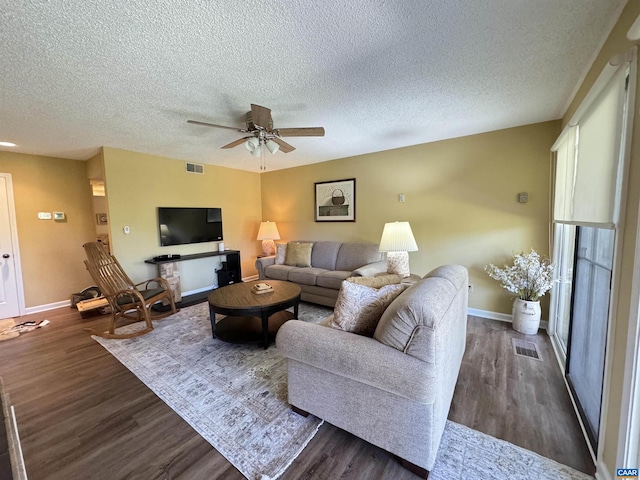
(617, 43)
(461, 201)
(138, 183)
(51, 251)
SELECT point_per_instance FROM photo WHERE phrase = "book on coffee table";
(260, 288)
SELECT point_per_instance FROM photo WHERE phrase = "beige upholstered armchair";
(393, 390)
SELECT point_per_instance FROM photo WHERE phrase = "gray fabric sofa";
(331, 263)
(393, 390)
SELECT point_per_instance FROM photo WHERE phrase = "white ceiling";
(377, 74)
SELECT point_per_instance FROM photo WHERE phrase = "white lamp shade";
(268, 231)
(397, 237)
(252, 144)
(272, 146)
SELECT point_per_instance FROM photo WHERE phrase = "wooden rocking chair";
(127, 300)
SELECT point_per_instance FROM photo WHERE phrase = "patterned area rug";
(466, 454)
(235, 396)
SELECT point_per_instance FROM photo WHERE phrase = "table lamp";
(397, 240)
(268, 232)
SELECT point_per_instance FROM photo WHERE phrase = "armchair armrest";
(359, 358)
(262, 263)
(371, 269)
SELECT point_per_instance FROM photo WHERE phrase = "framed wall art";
(336, 201)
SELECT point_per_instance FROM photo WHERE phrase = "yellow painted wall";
(461, 201)
(95, 167)
(138, 183)
(617, 43)
(51, 251)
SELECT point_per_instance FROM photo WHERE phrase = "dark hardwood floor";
(82, 415)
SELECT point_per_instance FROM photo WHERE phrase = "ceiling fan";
(259, 126)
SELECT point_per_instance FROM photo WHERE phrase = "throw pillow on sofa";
(377, 281)
(298, 254)
(281, 251)
(359, 307)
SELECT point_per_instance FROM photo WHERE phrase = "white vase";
(526, 316)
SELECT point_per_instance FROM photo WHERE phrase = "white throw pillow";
(281, 251)
(359, 308)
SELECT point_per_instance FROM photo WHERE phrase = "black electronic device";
(170, 256)
(230, 272)
(179, 226)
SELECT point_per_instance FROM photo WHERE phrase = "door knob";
(6, 255)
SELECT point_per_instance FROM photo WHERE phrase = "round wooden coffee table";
(251, 317)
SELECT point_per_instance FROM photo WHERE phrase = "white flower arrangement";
(530, 276)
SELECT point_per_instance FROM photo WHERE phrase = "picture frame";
(335, 201)
(101, 219)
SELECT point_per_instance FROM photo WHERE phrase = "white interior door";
(10, 288)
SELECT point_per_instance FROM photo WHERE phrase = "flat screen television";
(179, 226)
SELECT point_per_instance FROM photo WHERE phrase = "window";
(589, 159)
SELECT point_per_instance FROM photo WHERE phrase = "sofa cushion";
(298, 254)
(358, 307)
(377, 281)
(332, 278)
(281, 250)
(325, 254)
(278, 272)
(354, 255)
(305, 275)
(409, 322)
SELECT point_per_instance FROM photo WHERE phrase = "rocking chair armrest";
(158, 280)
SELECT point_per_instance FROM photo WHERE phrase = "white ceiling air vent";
(194, 168)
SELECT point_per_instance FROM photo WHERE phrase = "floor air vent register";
(522, 348)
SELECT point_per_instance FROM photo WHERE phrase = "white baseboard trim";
(602, 472)
(47, 307)
(67, 303)
(197, 290)
(206, 289)
(502, 317)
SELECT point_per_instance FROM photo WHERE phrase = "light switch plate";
(44, 215)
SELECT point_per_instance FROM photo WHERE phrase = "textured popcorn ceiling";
(377, 74)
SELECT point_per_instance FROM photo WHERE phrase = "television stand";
(169, 270)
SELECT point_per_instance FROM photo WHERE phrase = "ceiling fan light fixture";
(272, 146)
(252, 144)
(256, 151)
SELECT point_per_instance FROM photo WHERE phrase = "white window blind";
(565, 175)
(588, 160)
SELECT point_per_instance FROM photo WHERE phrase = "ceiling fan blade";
(300, 132)
(260, 116)
(284, 146)
(235, 143)
(196, 122)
